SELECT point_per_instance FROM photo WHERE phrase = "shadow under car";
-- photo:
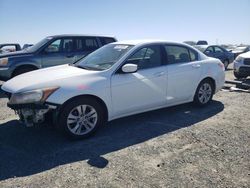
(27, 151)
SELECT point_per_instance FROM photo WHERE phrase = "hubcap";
(205, 93)
(82, 119)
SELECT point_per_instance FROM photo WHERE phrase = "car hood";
(17, 53)
(48, 77)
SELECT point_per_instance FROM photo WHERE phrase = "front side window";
(209, 50)
(148, 57)
(54, 46)
(104, 57)
(218, 50)
(177, 54)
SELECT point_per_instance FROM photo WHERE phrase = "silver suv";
(242, 65)
(51, 51)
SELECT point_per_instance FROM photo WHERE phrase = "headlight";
(4, 61)
(35, 96)
(239, 59)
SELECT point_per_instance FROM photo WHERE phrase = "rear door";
(58, 52)
(184, 71)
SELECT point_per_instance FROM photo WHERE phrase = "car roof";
(80, 35)
(148, 41)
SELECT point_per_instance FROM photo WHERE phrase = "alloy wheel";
(82, 119)
(205, 93)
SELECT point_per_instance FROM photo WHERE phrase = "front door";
(144, 89)
(58, 52)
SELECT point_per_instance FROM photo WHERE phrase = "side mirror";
(129, 68)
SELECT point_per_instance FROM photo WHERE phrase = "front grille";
(247, 61)
(244, 70)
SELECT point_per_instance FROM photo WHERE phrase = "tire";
(22, 70)
(238, 75)
(226, 63)
(204, 93)
(73, 118)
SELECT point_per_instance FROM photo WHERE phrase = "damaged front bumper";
(32, 114)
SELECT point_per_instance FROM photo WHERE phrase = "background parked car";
(202, 42)
(9, 47)
(242, 65)
(240, 50)
(218, 52)
(51, 51)
(191, 43)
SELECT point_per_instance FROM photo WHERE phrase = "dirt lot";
(181, 146)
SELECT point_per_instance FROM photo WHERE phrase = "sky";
(217, 21)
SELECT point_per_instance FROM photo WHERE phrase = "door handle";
(196, 66)
(158, 74)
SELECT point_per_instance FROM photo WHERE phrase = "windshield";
(105, 57)
(38, 45)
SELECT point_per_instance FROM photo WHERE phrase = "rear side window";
(78, 45)
(85, 44)
(180, 54)
(89, 43)
(67, 45)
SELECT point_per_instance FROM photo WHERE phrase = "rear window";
(107, 40)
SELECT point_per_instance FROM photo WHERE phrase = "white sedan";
(117, 80)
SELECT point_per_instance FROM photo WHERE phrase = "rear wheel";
(81, 118)
(204, 93)
(22, 70)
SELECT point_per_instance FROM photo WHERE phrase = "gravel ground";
(182, 146)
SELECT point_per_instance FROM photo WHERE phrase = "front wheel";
(81, 118)
(204, 93)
